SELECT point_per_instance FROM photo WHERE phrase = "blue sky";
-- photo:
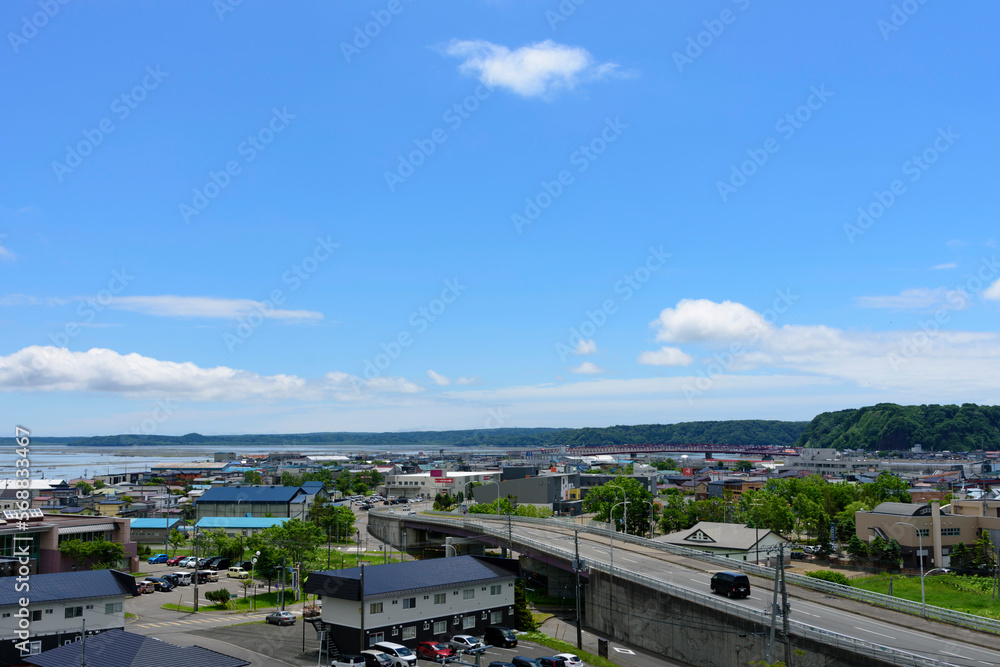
(262, 217)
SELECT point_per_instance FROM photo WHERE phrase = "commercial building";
(43, 533)
(154, 531)
(286, 502)
(238, 526)
(58, 605)
(415, 601)
(433, 482)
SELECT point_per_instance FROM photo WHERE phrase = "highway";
(695, 576)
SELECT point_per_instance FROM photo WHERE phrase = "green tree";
(961, 558)
(982, 554)
(523, 620)
(99, 484)
(177, 538)
(666, 464)
(857, 549)
(674, 513)
(633, 517)
(85, 488)
(296, 539)
(744, 466)
(333, 520)
(95, 555)
(252, 477)
(220, 596)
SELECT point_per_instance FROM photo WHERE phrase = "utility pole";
(361, 610)
(774, 612)
(83, 644)
(576, 568)
(785, 609)
(284, 571)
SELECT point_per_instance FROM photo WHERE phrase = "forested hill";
(888, 426)
(737, 432)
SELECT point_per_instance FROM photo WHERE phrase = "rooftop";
(250, 494)
(117, 648)
(83, 584)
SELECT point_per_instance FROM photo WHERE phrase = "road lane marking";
(874, 633)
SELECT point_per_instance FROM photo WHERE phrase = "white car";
(187, 561)
(571, 660)
(465, 642)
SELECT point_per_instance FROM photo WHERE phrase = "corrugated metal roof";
(250, 494)
(394, 578)
(86, 528)
(118, 648)
(154, 523)
(70, 586)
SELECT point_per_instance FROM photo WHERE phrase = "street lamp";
(197, 541)
(920, 552)
(253, 566)
(493, 481)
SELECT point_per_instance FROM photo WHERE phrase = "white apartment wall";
(345, 612)
(57, 621)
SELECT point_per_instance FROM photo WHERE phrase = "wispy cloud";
(30, 300)
(471, 380)
(587, 346)
(666, 356)
(539, 70)
(169, 305)
(942, 267)
(438, 379)
(992, 292)
(919, 299)
(587, 368)
(6, 254)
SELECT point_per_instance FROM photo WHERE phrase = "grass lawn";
(264, 602)
(941, 591)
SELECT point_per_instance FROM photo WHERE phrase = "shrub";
(827, 575)
(219, 597)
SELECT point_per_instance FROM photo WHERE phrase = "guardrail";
(857, 646)
(962, 619)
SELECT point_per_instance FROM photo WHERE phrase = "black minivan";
(731, 584)
(498, 635)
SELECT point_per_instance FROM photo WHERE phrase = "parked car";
(187, 561)
(401, 656)
(465, 642)
(522, 661)
(348, 660)
(174, 560)
(798, 555)
(143, 587)
(245, 564)
(207, 575)
(551, 661)
(571, 660)
(156, 559)
(160, 584)
(172, 578)
(499, 635)
(237, 573)
(375, 658)
(731, 584)
(501, 664)
(183, 578)
(280, 618)
(434, 651)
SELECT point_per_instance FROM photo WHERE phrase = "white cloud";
(18, 300)
(947, 265)
(992, 292)
(703, 320)
(666, 356)
(6, 254)
(531, 71)
(474, 379)
(46, 368)
(169, 305)
(585, 347)
(920, 298)
(438, 379)
(587, 368)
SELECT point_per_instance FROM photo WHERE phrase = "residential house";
(731, 540)
(414, 601)
(57, 606)
(118, 648)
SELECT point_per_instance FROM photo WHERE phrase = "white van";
(183, 578)
(402, 656)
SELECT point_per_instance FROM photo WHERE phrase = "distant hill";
(737, 432)
(888, 426)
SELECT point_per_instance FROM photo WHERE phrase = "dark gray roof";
(250, 494)
(903, 509)
(84, 584)
(381, 580)
(117, 648)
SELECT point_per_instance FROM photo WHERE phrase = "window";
(375, 608)
(496, 589)
(440, 627)
(34, 648)
(951, 531)
(36, 615)
(409, 603)
(440, 598)
(48, 611)
(395, 632)
(468, 593)
(6, 614)
(410, 632)
(112, 607)
(375, 638)
(469, 622)
(74, 612)
(90, 606)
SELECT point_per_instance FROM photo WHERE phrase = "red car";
(434, 651)
(175, 560)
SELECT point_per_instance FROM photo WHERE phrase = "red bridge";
(708, 450)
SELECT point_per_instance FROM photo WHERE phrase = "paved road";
(899, 631)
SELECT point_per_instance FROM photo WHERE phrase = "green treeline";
(888, 426)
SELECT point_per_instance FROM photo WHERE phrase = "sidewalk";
(618, 653)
